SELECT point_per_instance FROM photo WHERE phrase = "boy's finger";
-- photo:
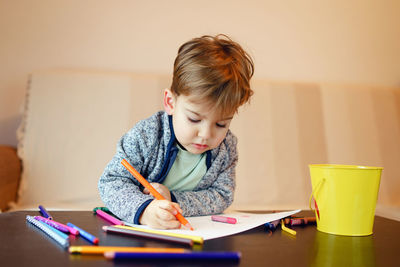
(167, 221)
(155, 185)
(165, 215)
(168, 206)
(171, 224)
(177, 207)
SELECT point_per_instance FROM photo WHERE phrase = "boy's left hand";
(162, 189)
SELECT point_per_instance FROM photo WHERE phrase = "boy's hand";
(161, 214)
(162, 189)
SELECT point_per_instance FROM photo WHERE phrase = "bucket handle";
(314, 190)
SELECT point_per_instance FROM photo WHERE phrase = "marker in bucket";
(316, 208)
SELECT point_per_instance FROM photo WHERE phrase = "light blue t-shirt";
(186, 172)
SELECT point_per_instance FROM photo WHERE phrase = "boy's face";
(198, 126)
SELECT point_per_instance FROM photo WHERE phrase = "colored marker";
(109, 218)
(300, 221)
(59, 226)
(196, 239)
(310, 220)
(272, 225)
(56, 235)
(200, 255)
(224, 219)
(91, 238)
(53, 224)
(44, 213)
(316, 208)
(153, 191)
(103, 249)
(105, 209)
(174, 239)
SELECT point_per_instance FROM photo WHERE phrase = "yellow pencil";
(196, 239)
(102, 249)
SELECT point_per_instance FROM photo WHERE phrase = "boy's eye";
(221, 125)
(193, 120)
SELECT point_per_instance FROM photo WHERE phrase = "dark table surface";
(22, 244)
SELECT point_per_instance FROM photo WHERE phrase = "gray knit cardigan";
(150, 146)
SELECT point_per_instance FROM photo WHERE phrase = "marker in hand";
(153, 191)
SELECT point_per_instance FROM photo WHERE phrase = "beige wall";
(317, 41)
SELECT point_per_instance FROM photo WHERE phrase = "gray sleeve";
(215, 191)
(119, 192)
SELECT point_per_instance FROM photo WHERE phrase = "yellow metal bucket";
(345, 198)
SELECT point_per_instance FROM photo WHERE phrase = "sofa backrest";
(288, 126)
(73, 120)
(71, 126)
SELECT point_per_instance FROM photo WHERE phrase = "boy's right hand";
(160, 188)
(161, 214)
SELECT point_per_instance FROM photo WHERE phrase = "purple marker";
(59, 226)
(44, 212)
(52, 224)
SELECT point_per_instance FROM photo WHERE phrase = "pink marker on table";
(72, 230)
(59, 226)
(224, 219)
(53, 224)
(109, 218)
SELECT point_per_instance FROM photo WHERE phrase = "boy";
(187, 151)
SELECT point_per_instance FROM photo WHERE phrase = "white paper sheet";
(208, 229)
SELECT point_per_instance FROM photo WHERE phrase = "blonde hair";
(215, 69)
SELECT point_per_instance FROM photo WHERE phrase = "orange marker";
(152, 190)
(102, 249)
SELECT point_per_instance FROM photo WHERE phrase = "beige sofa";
(73, 120)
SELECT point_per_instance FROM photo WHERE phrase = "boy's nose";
(205, 132)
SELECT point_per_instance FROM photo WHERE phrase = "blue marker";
(200, 255)
(44, 213)
(85, 234)
(271, 225)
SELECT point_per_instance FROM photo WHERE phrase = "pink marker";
(72, 230)
(52, 224)
(57, 225)
(109, 218)
(224, 219)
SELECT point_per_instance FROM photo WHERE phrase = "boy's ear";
(169, 101)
